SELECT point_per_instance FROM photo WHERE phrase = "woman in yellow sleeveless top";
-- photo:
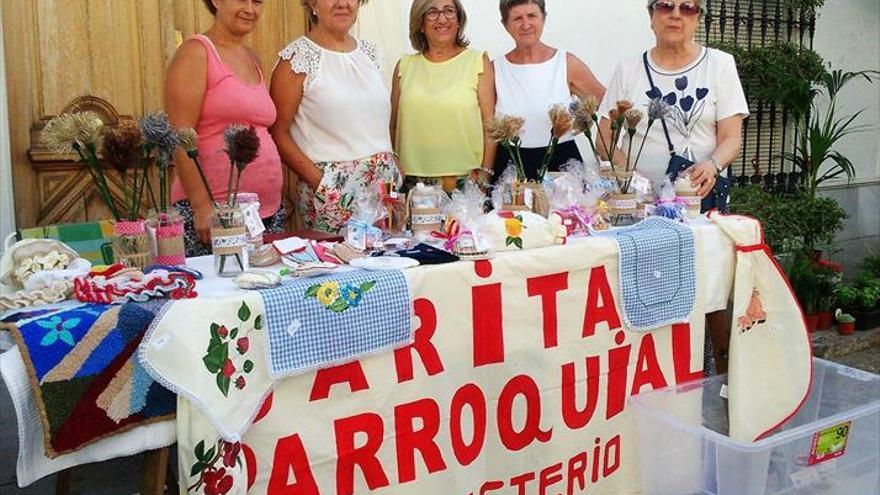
(440, 98)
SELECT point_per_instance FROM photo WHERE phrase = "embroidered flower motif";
(328, 292)
(231, 367)
(58, 330)
(514, 227)
(338, 299)
(214, 479)
(351, 295)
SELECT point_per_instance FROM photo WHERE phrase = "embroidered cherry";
(224, 485)
(223, 332)
(240, 383)
(231, 452)
(243, 344)
(228, 369)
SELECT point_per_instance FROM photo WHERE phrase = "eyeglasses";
(686, 9)
(448, 12)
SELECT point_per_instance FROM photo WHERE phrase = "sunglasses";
(686, 9)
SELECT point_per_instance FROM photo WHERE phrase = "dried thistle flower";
(158, 134)
(633, 117)
(561, 121)
(623, 106)
(505, 128)
(584, 112)
(122, 144)
(658, 109)
(242, 145)
(189, 140)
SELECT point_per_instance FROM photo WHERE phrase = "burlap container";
(688, 196)
(229, 242)
(423, 211)
(168, 232)
(623, 204)
(540, 201)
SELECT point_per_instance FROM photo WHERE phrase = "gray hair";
(417, 17)
(700, 3)
(505, 5)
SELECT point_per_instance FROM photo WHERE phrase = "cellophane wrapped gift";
(361, 232)
(465, 229)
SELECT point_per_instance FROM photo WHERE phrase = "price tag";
(252, 220)
(830, 443)
(641, 184)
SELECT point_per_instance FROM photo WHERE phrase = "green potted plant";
(806, 282)
(867, 303)
(829, 275)
(846, 323)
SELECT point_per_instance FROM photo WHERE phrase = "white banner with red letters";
(517, 383)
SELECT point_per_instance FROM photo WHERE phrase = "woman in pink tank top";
(214, 81)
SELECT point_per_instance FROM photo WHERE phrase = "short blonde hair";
(700, 3)
(417, 18)
(310, 13)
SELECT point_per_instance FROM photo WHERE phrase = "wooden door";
(103, 55)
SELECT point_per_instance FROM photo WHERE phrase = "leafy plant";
(791, 221)
(871, 264)
(805, 279)
(816, 145)
(842, 317)
(783, 73)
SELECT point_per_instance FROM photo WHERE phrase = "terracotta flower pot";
(846, 328)
(812, 322)
(826, 319)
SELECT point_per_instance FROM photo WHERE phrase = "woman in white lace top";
(333, 113)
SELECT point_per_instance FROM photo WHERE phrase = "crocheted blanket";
(84, 371)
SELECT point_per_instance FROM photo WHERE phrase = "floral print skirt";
(329, 208)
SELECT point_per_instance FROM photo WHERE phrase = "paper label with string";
(640, 183)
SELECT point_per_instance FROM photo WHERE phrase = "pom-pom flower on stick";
(505, 130)
(561, 121)
(242, 147)
(189, 142)
(123, 149)
(160, 137)
(81, 133)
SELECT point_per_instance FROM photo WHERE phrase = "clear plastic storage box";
(831, 446)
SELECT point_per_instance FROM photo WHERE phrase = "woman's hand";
(703, 177)
(203, 215)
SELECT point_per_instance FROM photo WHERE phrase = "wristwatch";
(718, 168)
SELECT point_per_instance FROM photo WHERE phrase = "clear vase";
(623, 208)
(229, 242)
(131, 244)
(167, 231)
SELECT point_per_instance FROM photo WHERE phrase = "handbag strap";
(662, 121)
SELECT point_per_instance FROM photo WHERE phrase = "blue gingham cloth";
(308, 331)
(657, 273)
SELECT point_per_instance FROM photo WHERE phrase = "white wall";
(7, 206)
(848, 37)
(621, 30)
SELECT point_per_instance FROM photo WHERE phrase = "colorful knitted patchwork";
(89, 240)
(85, 374)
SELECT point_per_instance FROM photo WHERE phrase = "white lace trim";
(305, 58)
(371, 50)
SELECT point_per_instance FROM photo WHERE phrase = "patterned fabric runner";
(320, 322)
(657, 272)
(86, 378)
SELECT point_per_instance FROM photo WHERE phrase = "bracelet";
(718, 168)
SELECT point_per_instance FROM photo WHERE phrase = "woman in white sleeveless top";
(333, 113)
(532, 78)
